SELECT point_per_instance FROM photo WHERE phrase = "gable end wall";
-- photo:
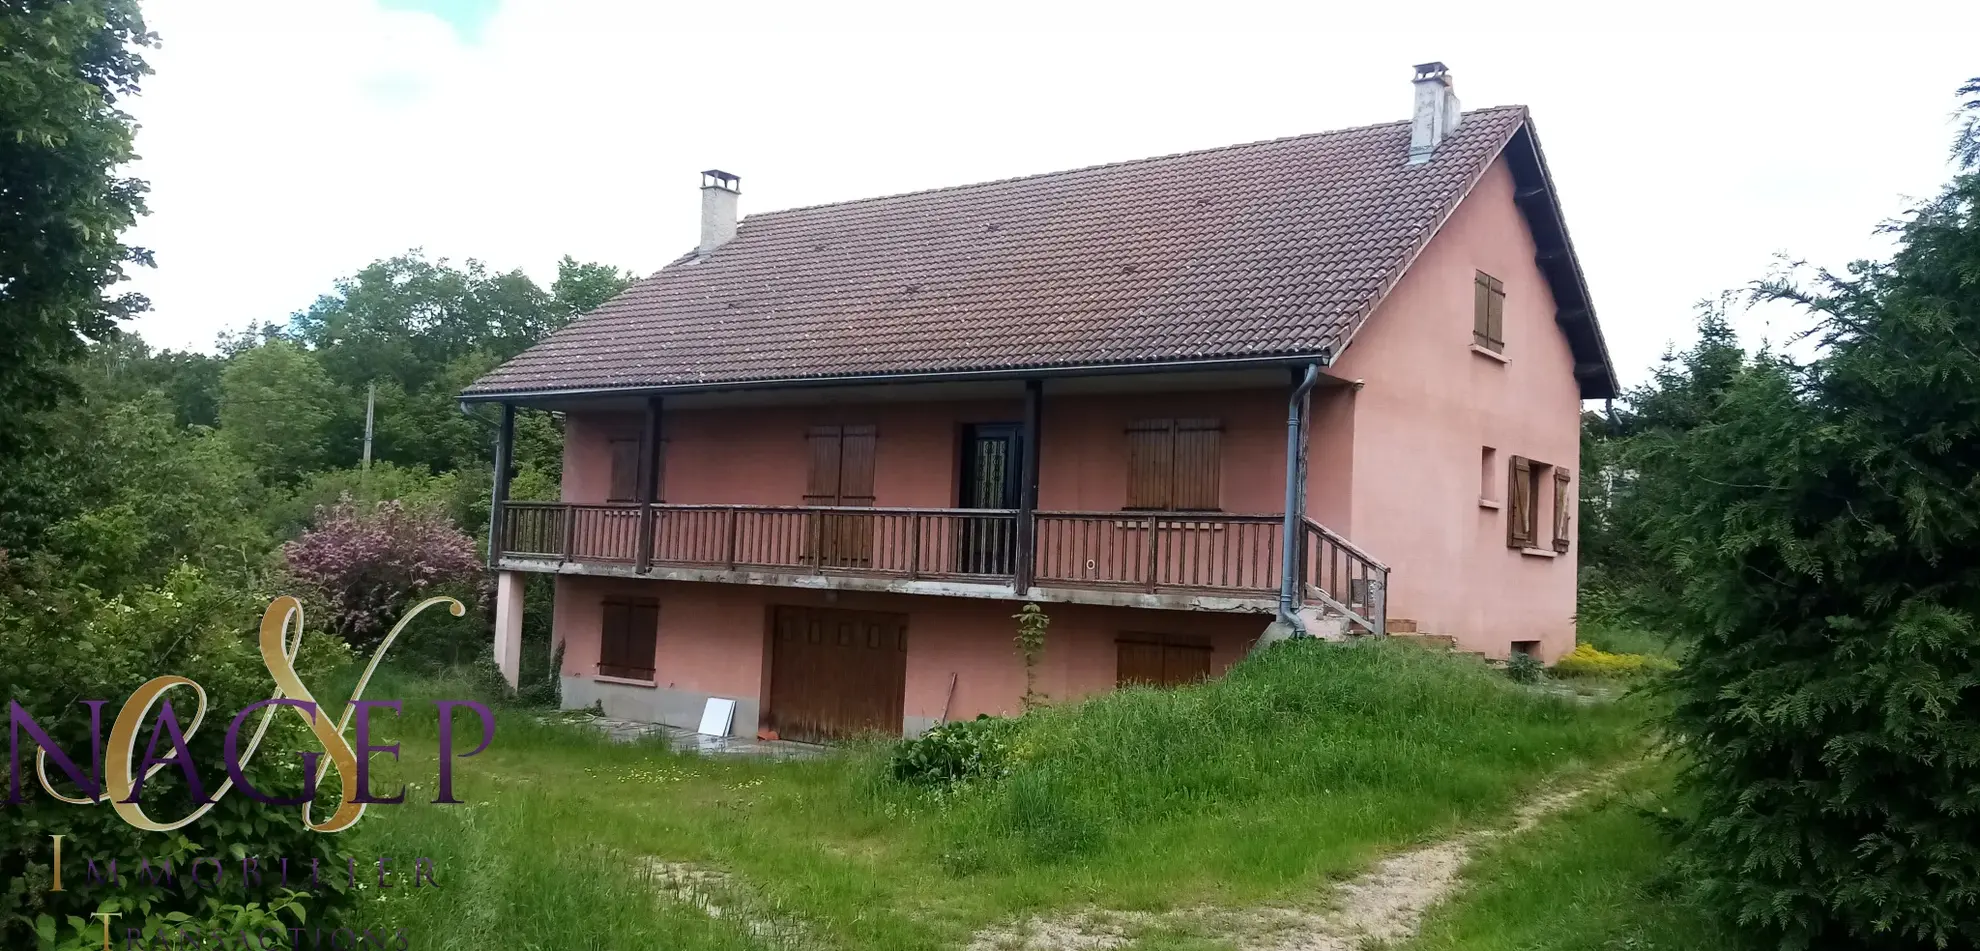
(1429, 407)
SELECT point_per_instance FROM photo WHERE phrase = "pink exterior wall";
(757, 455)
(712, 641)
(1428, 408)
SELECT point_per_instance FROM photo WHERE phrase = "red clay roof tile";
(1268, 249)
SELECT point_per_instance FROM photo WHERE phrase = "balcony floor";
(1114, 597)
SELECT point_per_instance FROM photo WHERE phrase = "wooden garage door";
(835, 674)
(1161, 659)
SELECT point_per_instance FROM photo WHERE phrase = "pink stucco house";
(1327, 385)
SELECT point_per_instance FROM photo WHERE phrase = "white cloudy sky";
(288, 143)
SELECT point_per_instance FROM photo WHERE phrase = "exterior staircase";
(1404, 630)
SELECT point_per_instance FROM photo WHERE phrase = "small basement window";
(1527, 648)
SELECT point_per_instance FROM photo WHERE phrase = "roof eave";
(1539, 201)
(1322, 357)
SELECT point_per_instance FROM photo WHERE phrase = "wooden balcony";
(1165, 559)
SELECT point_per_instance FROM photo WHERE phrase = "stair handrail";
(1376, 620)
(1352, 548)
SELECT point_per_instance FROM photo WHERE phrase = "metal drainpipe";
(1289, 567)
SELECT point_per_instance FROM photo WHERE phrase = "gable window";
(626, 639)
(1174, 465)
(1488, 319)
(1539, 506)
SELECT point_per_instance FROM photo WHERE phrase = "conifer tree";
(1829, 546)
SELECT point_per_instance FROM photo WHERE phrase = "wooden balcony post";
(731, 559)
(505, 438)
(914, 546)
(1154, 562)
(649, 479)
(1026, 565)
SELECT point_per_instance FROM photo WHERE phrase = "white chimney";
(719, 192)
(1437, 111)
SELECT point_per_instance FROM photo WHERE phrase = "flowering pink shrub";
(369, 566)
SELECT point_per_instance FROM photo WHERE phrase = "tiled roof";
(1270, 249)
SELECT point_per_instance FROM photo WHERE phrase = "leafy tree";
(149, 495)
(64, 68)
(125, 367)
(368, 563)
(290, 514)
(1827, 539)
(122, 492)
(1631, 470)
(277, 406)
(582, 288)
(66, 642)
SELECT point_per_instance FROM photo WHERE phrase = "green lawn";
(1302, 766)
(1588, 879)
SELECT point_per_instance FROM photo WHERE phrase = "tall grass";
(1303, 764)
(1302, 761)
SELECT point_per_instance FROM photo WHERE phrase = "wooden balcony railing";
(932, 544)
(1154, 552)
(1159, 551)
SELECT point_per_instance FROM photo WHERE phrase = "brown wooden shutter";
(1198, 465)
(1481, 327)
(627, 639)
(842, 463)
(612, 636)
(1151, 469)
(1175, 464)
(856, 450)
(1488, 315)
(1160, 660)
(1519, 503)
(1562, 511)
(822, 484)
(625, 470)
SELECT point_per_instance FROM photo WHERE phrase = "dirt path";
(1386, 903)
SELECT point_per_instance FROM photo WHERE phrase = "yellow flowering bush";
(1586, 661)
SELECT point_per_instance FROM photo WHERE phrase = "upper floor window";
(1488, 319)
(841, 466)
(1174, 465)
(625, 470)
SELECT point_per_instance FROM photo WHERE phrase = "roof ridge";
(1187, 153)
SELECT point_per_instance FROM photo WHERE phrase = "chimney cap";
(716, 178)
(1431, 70)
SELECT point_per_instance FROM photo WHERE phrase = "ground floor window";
(626, 639)
(1161, 659)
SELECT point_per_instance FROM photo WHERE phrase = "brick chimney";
(719, 193)
(1437, 111)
